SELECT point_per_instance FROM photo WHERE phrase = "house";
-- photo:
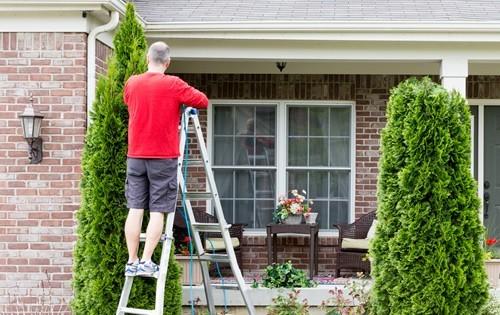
(298, 94)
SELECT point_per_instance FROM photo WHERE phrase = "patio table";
(309, 229)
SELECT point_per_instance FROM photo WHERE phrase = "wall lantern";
(31, 121)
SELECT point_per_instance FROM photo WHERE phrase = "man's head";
(159, 56)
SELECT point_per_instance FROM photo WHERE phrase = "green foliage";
(101, 252)
(286, 276)
(288, 305)
(427, 255)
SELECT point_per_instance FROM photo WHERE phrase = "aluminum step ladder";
(204, 257)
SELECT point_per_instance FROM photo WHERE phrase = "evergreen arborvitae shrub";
(427, 253)
(101, 251)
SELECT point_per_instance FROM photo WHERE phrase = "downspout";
(91, 84)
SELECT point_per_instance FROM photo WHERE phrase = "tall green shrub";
(101, 251)
(427, 255)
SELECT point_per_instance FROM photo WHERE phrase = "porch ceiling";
(325, 67)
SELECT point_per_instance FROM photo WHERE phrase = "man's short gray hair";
(159, 53)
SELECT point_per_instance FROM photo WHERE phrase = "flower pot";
(311, 218)
(493, 271)
(293, 219)
(186, 279)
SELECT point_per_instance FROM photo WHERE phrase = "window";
(318, 159)
(244, 140)
(253, 165)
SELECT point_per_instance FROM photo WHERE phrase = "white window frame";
(281, 145)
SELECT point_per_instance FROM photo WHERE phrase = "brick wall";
(102, 52)
(38, 202)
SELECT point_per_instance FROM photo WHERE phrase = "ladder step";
(163, 237)
(131, 310)
(194, 163)
(199, 195)
(209, 227)
(214, 258)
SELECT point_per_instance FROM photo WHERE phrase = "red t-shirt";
(154, 105)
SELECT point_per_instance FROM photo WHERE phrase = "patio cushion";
(354, 243)
(371, 231)
(218, 243)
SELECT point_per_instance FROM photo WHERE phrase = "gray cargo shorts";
(151, 184)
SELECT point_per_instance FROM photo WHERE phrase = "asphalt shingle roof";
(317, 10)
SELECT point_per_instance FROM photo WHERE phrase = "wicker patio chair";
(354, 259)
(235, 232)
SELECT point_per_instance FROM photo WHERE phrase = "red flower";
(491, 241)
(186, 239)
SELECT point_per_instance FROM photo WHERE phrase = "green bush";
(286, 276)
(101, 252)
(427, 255)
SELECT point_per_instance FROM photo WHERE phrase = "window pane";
(340, 122)
(297, 151)
(244, 212)
(264, 212)
(224, 180)
(227, 208)
(264, 151)
(339, 152)
(339, 185)
(321, 207)
(318, 125)
(245, 151)
(244, 184)
(245, 120)
(318, 152)
(265, 121)
(318, 185)
(264, 184)
(223, 150)
(296, 180)
(339, 212)
(297, 121)
(223, 124)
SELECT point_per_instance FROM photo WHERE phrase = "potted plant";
(492, 261)
(292, 210)
(191, 269)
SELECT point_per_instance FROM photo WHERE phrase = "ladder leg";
(125, 295)
(207, 284)
(164, 260)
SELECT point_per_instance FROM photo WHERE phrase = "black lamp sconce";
(31, 121)
(281, 65)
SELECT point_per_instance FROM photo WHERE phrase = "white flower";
(295, 208)
(294, 192)
(304, 192)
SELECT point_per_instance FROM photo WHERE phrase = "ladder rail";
(220, 216)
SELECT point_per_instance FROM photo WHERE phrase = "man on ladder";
(154, 103)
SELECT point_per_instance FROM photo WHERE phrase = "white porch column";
(454, 72)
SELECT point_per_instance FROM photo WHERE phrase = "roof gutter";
(91, 40)
(351, 26)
